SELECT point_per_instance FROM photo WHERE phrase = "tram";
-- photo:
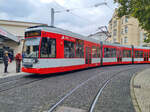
(51, 50)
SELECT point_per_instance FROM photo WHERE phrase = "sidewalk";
(11, 69)
(140, 91)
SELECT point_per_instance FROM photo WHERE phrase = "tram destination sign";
(33, 33)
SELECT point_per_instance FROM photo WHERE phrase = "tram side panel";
(140, 55)
(109, 55)
(148, 56)
(92, 54)
(126, 55)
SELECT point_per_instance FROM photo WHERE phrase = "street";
(38, 93)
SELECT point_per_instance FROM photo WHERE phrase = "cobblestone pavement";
(41, 95)
(11, 67)
(116, 96)
(11, 70)
(141, 91)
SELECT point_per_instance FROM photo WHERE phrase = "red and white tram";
(52, 50)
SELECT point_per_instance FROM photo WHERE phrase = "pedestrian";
(6, 61)
(18, 58)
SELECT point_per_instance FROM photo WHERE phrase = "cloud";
(80, 19)
(16, 8)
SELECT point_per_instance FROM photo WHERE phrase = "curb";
(132, 93)
(12, 77)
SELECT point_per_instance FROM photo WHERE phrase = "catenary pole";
(52, 16)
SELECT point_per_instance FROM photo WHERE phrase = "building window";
(122, 21)
(115, 23)
(126, 29)
(114, 39)
(125, 39)
(110, 26)
(121, 41)
(69, 49)
(114, 32)
(48, 48)
(122, 32)
(126, 19)
(145, 36)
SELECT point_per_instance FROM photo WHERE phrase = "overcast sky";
(83, 20)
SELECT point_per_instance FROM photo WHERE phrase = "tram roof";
(61, 31)
(72, 34)
(118, 45)
(137, 47)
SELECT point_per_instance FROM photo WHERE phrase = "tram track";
(18, 82)
(54, 107)
(42, 95)
(104, 85)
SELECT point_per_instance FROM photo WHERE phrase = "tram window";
(110, 52)
(113, 52)
(126, 53)
(98, 52)
(94, 52)
(35, 48)
(28, 50)
(79, 48)
(107, 52)
(48, 48)
(138, 54)
(69, 49)
(141, 54)
(129, 53)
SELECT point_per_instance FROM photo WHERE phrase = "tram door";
(146, 56)
(88, 55)
(119, 57)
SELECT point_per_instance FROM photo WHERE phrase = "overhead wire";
(69, 10)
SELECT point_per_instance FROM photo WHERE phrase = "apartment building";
(126, 31)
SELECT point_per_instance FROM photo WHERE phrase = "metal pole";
(52, 16)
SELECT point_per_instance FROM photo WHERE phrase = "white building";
(100, 36)
(12, 33)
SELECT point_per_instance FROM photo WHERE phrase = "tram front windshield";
(31, 47)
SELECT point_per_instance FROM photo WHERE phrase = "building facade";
(12, 34)
(126, 31)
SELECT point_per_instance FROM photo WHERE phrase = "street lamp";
(68, 10)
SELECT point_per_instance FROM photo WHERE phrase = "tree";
(139, 9)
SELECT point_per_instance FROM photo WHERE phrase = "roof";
(72, 34)
(8, 35)
(119, 45)
(61, 31)
(20, 21)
